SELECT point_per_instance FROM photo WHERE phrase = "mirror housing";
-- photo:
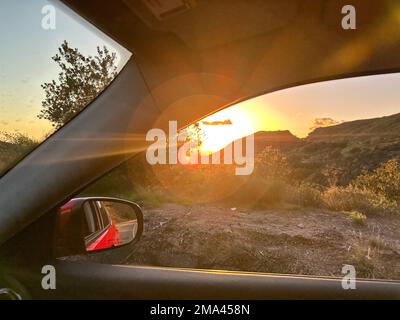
(86, 225)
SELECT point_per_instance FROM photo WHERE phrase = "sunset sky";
(26, 63)
(297, 109)
(26, 50)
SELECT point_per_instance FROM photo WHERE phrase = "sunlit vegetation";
(273, 184)
(13, 146)
(366, 254)
(358, 217)
(383, 182)
(80, 81)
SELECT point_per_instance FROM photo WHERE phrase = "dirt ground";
(290, 241)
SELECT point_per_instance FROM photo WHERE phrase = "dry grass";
(272, 185)
(366, 255)
(306, 195)
(350, 199)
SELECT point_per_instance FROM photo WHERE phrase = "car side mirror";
(87, 225)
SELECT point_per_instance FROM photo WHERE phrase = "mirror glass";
(109, 224)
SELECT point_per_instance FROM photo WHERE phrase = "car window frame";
(90, 26)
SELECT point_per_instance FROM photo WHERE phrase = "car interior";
(189, 60)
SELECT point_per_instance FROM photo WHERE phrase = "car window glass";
(90, 219)
(53, 64)
(103, 213)
(321, 198)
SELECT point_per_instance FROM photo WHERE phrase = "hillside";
(339, 153)
(277, 139)
(389, 125)
(336, 154)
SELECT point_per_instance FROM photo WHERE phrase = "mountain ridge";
(387, 125)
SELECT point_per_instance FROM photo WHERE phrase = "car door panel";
(82, 280)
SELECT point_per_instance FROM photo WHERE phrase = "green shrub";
(351, 198)
(358, 217)
(383, 181)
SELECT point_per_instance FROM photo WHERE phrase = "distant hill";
(281, 140)
(347, 149)
(389, 125)
(339, 153)
(277, 139)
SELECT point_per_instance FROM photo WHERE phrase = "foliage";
(351, 198)
(80, 81)
(272, 164)
(306, 195)
(358, 217)
(383, 181)
(13, 146)
(272, 184)
(366, 254)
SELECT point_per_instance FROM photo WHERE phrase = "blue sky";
(26, 50)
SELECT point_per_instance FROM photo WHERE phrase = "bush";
(13, 146)
(271, 164)
(306, 195)
(358, 217)
(351, 198)
(383, 181)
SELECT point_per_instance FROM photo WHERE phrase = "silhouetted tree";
(80, 81)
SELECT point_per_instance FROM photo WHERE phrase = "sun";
(228, 125)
